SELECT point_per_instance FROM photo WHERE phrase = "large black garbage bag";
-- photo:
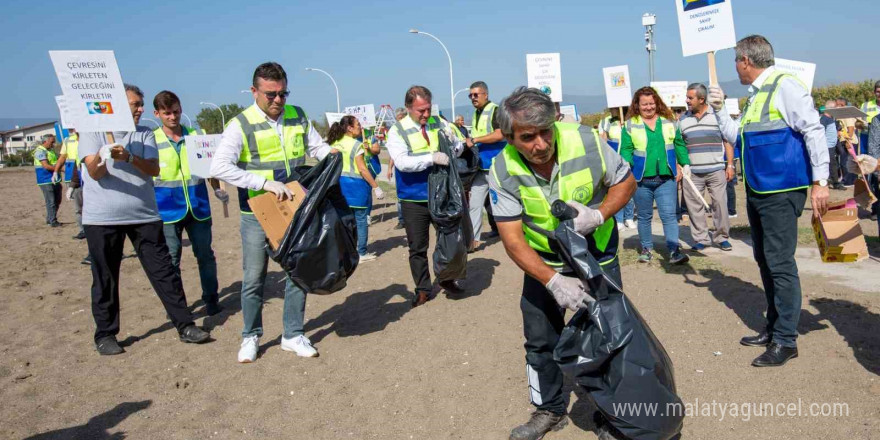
(468, 164)
(319, 249)
(450, 214)
(610, 350)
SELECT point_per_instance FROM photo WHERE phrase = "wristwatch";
(130, 158)
(822, 182)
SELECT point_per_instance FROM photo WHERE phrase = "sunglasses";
(272, 95)
(474, 95)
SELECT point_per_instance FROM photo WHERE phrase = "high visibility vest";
(71, 165)
(872, 110)
(177, 191)
(581, 179)
(774, 156)
(44, 176)
(637, 131)
(413, 187)
(613, 129)
(263, 152)
(482, 127)
(356, 190)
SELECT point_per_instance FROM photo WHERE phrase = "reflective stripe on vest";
(177, 191)
(356, 190)
(637, 131)
(581, 179)
(263, 152)
(71, 165)
(871, 109)
(483, 127)
(775, 158)
(349, 147)
(44, 176)
(413, 187)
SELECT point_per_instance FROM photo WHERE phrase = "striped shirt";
(703, 140)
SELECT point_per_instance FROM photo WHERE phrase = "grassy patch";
(742, 232)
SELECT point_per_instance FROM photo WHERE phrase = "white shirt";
(224, 166)
(796, 106)
(396, 146)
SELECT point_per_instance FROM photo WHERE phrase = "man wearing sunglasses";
(259, 151)
(486, 135)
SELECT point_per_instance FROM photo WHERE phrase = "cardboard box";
(839, 235)
(275, 216)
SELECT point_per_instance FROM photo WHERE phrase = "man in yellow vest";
(69, 161)
(182, 198)
(259, 151)
(545, 161)
(489, 142)
(610, 129)
(48, 179)
(784, 152)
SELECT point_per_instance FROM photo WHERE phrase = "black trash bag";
(609, 349)
(319, 249)
(468, 164)
(450, 214)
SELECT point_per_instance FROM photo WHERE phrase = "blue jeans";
(52, 197)
(362, 217)
(627, 212)
(664, 192)
(399, 213)
(255, 260)
(199, 233)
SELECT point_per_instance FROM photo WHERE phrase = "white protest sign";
(732, 106)
(93, 89)
(333, 117)
(365, 113)
(570, 112)
(545, 73)
(705, 25)
(673, 93)
(199, 152)
(803, 71)
(618, 92)
(64, 111)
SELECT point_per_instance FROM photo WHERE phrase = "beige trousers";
(716, 184)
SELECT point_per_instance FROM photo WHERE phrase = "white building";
(20, 138)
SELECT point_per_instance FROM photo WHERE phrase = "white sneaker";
(248, 351)
(630, 224)
(301, 345)
(367, 257)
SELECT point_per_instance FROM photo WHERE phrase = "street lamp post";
(222, 116)
(188, 120)
(312, 69)
(153, 121)
(648, 21)
(453, 101)
(451, 86)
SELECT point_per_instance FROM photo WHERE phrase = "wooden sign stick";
(713, 73)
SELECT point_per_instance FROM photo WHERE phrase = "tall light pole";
(648, 21)
(153, 121)
(222, 116)
(312, 69)
(188, 120)
(453, 100)
(451, 86)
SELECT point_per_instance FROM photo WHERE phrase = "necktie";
(425, 135)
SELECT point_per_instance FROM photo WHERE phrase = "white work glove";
(716, 98)
(686, 171)
(866, 164)
(378, 193)
(69, 193)
(55, 178)
(440, 158)
(221, 195)
(587, 220)
(569, 292)
(104, 152)
(279, 189)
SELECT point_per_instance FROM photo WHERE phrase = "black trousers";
(106, 245)
(543, 320)
(773, 220)
(417, 222)
(833, 166)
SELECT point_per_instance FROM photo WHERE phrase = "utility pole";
(648, 21)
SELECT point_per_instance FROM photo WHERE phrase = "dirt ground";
(453, 369)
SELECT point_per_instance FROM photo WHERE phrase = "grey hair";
(47, 136)
(134, 89)
(877, 85)
(700, 89)
(400, 113)
(757, 49)
(480, 85)
(526, 106)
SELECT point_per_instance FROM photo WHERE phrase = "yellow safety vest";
(637, 131)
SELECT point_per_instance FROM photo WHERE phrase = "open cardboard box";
(839, 235)
(274, 215)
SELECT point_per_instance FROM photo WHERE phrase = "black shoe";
(193, 334)
(107, 346)
(760, 340)
(87, 260)
(451, 287)
(55, 224)
(539, 424)
(79, 236)
(677, 257)
(775, 356)
(492, 234)
(212, 308)
(419, 298)
(399, 226)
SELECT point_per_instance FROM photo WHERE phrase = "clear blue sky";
(207, 51)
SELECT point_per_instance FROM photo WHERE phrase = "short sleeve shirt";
(125, 195)
(41, 154)
(507, 207)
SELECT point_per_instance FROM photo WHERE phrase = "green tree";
(855, 93)
(212, 122)
(592, 119)
(321, 127)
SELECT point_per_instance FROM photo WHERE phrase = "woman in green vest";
(653, 146)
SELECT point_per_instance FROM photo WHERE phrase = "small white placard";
(803, 71)
(673, 93)
(365, 113)
(705, 25)
(93, 90)
(618, 91)
(545, 74)
(200, 151)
